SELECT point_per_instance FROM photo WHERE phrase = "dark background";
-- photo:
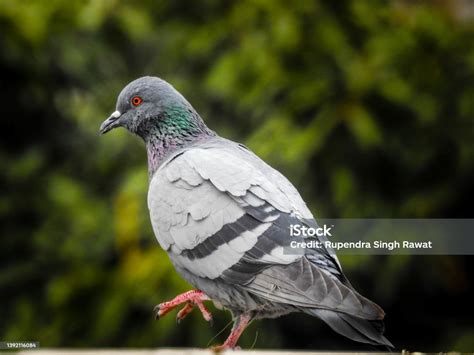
(366, 106)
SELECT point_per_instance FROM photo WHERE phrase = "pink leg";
(191, 298)
(239, 326)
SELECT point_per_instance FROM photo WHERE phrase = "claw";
(156, 311)
(163, 309)
(184, 312)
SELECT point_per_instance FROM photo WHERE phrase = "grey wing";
(206, 211)
(221, 217)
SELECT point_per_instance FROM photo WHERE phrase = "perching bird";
(223, 216)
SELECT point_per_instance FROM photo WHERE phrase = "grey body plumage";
(223, 216)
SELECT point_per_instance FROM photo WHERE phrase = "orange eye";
(136, 100)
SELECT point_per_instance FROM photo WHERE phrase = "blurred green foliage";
(367, 106)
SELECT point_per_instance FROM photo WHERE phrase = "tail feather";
(357, 329)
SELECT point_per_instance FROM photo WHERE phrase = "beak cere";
(110, 123)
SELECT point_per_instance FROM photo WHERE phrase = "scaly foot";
(191, 298)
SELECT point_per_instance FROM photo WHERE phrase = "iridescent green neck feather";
(174, 129)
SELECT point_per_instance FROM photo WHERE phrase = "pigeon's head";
(147, 104)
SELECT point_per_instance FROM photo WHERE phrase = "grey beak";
(110, 123)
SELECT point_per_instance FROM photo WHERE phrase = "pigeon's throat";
(172, 133)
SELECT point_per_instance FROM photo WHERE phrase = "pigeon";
(223, 216)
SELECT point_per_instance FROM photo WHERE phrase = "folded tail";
(358, 329)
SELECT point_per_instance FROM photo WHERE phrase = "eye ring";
(136, 101)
